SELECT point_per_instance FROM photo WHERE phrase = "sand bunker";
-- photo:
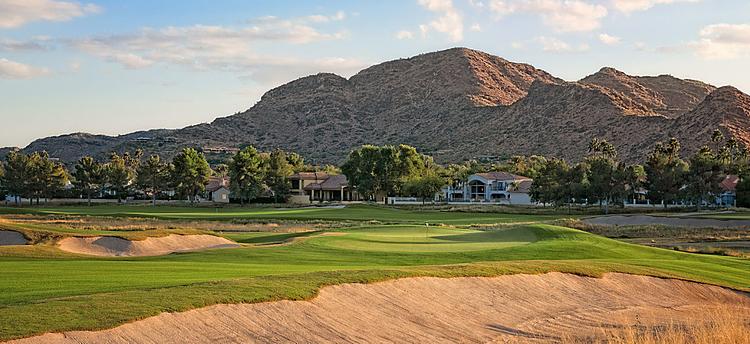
(154, 246)
(517, 308)
(641, 220)
(12, 238)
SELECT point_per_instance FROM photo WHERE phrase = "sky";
(112, 67)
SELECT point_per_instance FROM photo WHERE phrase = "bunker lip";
(523, 308)
(8, 238)
(108, 246)
(645, 220)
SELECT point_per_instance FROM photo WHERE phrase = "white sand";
(154, 246)
(12, 238)
(516, 308)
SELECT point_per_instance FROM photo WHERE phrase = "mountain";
(455, 104)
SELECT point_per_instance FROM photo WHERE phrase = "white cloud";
(16, 70)
(319, 18)
(723, 41)
(555, 45)
(449, 22)
(15, 13)
(248, 50)
(404, 34)
(475, 28)
(562, 15)
(608, 39)
(629, 6)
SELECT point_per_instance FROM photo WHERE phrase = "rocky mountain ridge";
(455, 104)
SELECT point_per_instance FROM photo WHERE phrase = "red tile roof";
(730, 183)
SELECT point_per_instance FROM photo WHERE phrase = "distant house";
(728, 196)
(218, 189)
(498, 187)
(320, 187)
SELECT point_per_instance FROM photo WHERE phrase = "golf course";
(290, 254)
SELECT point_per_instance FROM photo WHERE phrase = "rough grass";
(721, 326)
(47, 290)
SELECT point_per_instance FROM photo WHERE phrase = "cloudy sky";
(116, 66)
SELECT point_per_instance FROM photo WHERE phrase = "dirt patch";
(517, 308)
(8, 238)
(644, 220)
(154, 246)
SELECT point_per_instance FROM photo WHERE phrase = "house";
(499, 187)
(728, 196)
(310, 187)
(218, 189)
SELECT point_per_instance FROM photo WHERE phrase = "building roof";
(730, 182)
(215, 183)
(523, 186)
(309, 176)
(501, 176)
(335, 182)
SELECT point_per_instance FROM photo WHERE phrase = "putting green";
(426, 239)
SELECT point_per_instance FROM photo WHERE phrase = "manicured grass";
(350, 213)
(45, 290)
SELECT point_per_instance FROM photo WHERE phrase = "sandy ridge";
(516, 308)
(153, 246)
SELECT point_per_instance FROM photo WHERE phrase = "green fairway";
(350, 213)
(44, 289)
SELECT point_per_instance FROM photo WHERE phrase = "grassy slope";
(63, 292)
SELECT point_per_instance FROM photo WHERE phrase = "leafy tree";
(743, 192)
(17, 175)
(606, 177)
(190, 173)
(424, 187)
(378, 172)
(296, 161)
(153, 177)
(524, 166)
(221, 170)
(246, 174)
(705, 174)
(278, 169)
(665, 172)
(635, 178)
(88, 177)
(119, 175)
(549, 186)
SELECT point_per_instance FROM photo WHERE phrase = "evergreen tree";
(278, 169)
(119, 175)
(153, 177)
(88, 177)
(704, 177)
(17, 175)
(665, 172)
(190, 173)
(246, 174)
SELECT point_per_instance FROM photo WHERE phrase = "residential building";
(498, 187)
(310, 187)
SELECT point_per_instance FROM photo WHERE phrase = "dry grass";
(724, 325)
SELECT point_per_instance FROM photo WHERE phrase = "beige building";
(310, 187)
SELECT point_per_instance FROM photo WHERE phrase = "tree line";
(601, 177)
(252, 174)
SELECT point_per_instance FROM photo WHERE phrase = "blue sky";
(113, 67)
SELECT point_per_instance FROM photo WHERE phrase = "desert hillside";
(455, 104)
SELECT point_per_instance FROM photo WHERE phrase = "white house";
(497, 187)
